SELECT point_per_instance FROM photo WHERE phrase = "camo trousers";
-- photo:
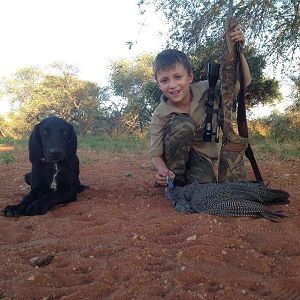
(187, 164)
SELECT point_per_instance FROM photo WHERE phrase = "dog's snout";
(56, 155)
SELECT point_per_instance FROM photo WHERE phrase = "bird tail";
(273, 215)
(279, 196)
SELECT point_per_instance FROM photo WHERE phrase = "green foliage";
(284, 127)
(115, 144)
(37, 95)
(22, 86)
(130, 80)
(262, 89)
(7, 158)
(276, 135)
(279, 127)
(20, 144)
(273, 26)
(267, 148)
(152, 94)
(295, 94)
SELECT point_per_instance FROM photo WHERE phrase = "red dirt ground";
(123, 240)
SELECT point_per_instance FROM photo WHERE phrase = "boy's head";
(168, 59)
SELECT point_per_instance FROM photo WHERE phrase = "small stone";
(134, 237)
(31, 278)
(41, 260)
(191, 238)
(179, 254)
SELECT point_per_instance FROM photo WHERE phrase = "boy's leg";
(178, 136)
(199, 169)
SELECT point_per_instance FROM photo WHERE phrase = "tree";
(21, 87)
(262, 90)
(59, 92)
(296, 93)
(273, 26)
(130, 80)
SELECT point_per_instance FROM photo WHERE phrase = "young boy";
(177, 148)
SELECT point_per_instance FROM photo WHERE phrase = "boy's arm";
(237, 36)
(246, 71)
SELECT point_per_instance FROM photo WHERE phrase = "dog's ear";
(35, 145)
(72, 143)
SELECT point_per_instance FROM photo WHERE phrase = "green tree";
(130, 80)
(262, 90)
(60, 92)
(22, 86)
(296, 93)
(273, 26)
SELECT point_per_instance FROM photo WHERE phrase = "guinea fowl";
(231, 199)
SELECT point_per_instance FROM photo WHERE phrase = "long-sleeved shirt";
(165, 111)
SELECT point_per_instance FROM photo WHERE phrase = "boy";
(177, 148)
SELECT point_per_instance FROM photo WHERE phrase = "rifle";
(213, 75)
(242, 119)
(231, 165)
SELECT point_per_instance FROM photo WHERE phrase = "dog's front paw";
(13, 211)
(36, 208)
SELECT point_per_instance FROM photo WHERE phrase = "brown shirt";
(166, 109)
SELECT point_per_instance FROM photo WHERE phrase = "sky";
(88, 34)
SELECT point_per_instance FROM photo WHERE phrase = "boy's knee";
(199, 169)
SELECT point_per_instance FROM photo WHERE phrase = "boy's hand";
(237, 35)
(161, 176)
(233, 34)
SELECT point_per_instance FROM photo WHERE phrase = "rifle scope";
(213, 75)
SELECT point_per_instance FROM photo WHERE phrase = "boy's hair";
(168, 59)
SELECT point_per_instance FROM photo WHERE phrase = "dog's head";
(52, 140)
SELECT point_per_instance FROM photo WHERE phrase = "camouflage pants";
(187, 164)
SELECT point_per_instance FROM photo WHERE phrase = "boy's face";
(175, 83)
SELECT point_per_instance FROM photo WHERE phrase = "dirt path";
(122, 240)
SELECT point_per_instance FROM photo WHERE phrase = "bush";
(278, 127)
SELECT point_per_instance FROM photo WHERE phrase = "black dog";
(54, 176)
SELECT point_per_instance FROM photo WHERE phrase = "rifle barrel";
(230, 8)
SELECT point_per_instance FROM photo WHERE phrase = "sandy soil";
(122, 240)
